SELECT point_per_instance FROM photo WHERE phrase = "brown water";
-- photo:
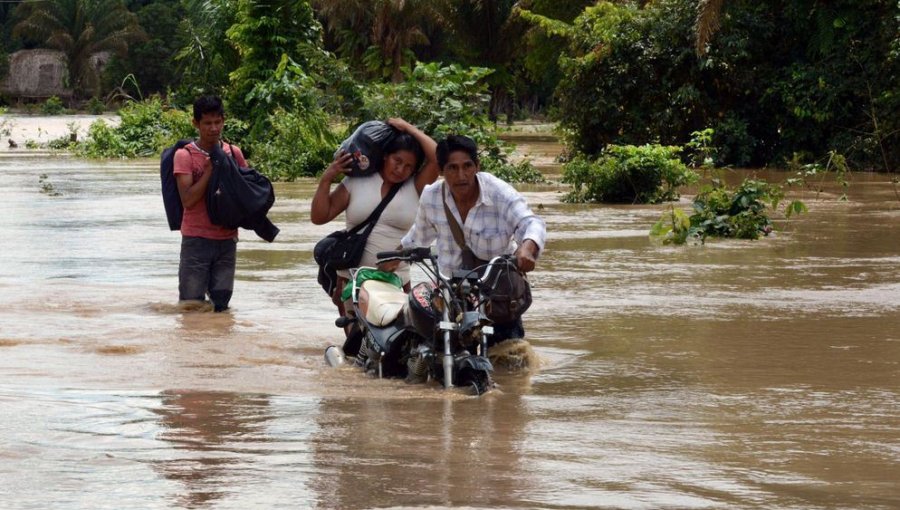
(732, 375)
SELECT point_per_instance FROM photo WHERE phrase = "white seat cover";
(384, 302)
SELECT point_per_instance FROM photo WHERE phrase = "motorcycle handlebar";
(404, 254)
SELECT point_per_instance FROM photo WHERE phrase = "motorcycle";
(439, 331)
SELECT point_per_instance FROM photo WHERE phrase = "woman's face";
(398, 166)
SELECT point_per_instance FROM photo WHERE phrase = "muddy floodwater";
(736, 374)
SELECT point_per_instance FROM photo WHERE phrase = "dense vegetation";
(769, 81)
(777, 78)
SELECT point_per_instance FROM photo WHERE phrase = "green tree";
(779, 77)
(205, 57)
(393, 28)
(486, 33)
(80, 29)
(542, 49)
(153, 62)
(263, 34)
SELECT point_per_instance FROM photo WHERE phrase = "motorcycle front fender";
(474, 362)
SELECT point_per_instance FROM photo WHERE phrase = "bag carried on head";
(366, 145)
(344, 249)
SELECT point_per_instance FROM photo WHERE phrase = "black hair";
(208, 104)
(405, 142)
(455, 143)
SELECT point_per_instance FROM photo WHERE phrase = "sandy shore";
(41, 129)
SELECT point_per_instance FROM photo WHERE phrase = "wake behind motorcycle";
(439, 331)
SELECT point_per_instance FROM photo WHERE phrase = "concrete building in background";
(41, 73)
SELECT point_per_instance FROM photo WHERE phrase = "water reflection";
(444, 451)
(210, 433)
(206, 324)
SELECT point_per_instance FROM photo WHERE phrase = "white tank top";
(394, 222)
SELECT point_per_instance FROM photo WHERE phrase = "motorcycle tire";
(478, 380)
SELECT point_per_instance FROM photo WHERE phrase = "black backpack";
(171, 198)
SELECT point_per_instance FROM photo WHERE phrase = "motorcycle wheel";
(478, 380)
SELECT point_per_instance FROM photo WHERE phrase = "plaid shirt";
(499, 216)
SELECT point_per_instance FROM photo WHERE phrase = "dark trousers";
(207, 268)
(507, 330)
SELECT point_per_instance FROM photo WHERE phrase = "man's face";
(210, 127)
(459, 174)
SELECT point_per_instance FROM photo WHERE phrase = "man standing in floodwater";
(493, 217)
(208, 251)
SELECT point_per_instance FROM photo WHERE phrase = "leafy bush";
(810, 76)
(146, 128)
(719, 211)
(95, 106)
(741, 213)
(510, 172)
(628, 174)
(102, 142)
(300, 144)
(53, 106)
(440, 100)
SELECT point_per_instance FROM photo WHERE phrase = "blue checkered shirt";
(498, 222)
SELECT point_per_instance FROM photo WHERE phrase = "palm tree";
(708, 16)
(488, 33)
(393, 28)
(80, 29)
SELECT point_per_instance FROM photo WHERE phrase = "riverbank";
(22, 132)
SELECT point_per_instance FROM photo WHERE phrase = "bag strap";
(378, 210)
(454, 225)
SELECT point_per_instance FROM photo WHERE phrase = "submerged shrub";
(53, 106)
(300, 145)
(523, 171)
(628, 174)
(719, 211)
(95, 106)
(146, 128)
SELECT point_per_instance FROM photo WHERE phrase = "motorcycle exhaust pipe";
(333, 356)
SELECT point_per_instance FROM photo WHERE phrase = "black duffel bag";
(509, 294)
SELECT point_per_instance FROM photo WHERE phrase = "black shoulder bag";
(344, 248)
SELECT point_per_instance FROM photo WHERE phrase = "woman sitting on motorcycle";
(359, 196)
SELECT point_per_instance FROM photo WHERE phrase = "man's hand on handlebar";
(526, 256)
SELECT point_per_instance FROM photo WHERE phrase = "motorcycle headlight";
(437, 303)
(470, 327)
